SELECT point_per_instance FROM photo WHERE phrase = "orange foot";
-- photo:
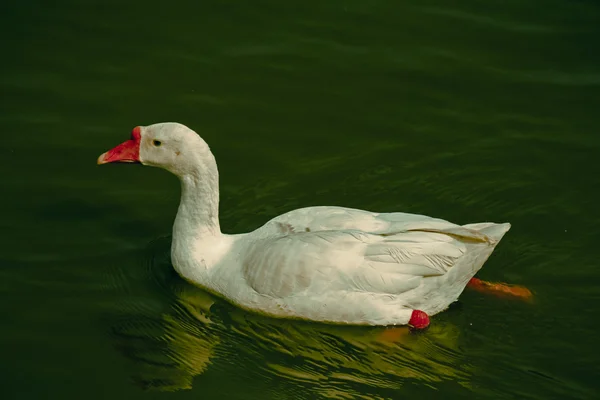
(393, 334)
(419, 320)
(500, 289)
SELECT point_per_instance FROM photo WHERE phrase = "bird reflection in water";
(194, 331)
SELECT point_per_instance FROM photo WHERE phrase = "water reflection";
(192, 331)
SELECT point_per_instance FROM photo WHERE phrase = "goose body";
(327, 264)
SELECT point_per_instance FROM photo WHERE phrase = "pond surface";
(467, 110)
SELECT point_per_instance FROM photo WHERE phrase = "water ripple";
(193, 331)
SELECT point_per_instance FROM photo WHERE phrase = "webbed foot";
(418, 320)
(500, 289)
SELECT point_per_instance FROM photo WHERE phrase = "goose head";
(171, 146)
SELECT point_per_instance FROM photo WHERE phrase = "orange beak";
(128, 151)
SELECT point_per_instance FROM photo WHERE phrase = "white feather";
(328, 264)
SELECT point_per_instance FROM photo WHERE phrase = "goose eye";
(157, 143)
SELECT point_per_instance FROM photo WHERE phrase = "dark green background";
(465, 110)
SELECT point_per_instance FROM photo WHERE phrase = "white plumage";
(328, 264)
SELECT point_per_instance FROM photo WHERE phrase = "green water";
(465, 110)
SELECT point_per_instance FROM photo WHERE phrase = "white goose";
(327, 264)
